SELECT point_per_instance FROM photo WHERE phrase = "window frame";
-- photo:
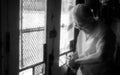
(52, 46)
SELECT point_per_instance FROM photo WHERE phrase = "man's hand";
(81, 58)
(73, 64)
(72, 58)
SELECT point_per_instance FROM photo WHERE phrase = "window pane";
(62, 60)
(32, 38)
(32, 48)
(40, 69)
(66, 34)
(27, 72)
(33, 13)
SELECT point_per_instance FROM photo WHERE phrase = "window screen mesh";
(40, 70)
(27, 72)
(62, 60)
(33, 13)
(32, 48)
(32, 32)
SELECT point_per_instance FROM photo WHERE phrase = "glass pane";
(66, 33)
(40, 69)
(32, 48)
(69, 56)
(62, 60)
(33, 13)
(27, 72)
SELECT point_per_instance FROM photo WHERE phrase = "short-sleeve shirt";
(90, 44)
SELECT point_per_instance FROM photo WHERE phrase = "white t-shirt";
(92, 44)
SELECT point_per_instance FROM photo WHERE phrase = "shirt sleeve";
(98, 49)
(105, 49)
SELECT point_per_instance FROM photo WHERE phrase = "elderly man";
(95, 43)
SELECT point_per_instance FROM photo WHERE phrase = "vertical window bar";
(21, 45)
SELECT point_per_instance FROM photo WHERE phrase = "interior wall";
(117, 32)
(3, 40)
(9, 37)
(13, 29)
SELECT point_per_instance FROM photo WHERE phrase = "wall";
(3, 40)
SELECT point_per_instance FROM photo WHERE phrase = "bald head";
(82, 11)
(83, 16)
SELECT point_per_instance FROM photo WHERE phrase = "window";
(27, 23)
(66, 36)
(32, 37)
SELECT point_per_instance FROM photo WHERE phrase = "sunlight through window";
(32, 37)
(66, 34)
(27, 72)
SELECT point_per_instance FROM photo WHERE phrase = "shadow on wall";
(118, 40)
(116, 29)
